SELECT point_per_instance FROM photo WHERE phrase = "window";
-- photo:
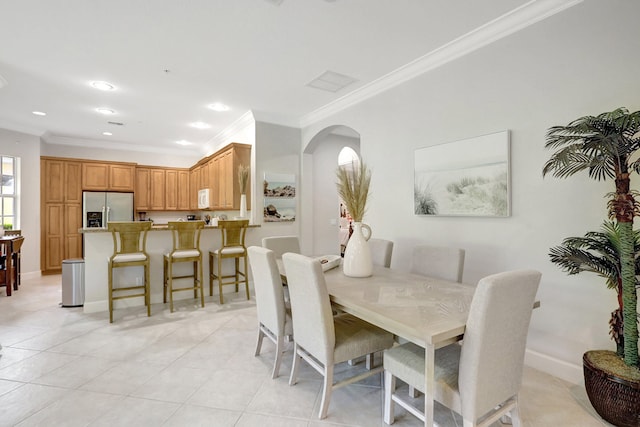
(9, 193)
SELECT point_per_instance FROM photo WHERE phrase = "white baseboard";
(553, 366)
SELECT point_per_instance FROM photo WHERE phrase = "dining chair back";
(273, 316)
(232, 236)
(481, 378)
(440, 262)
(320, 338)
(381, 251)
(281, 244)
(186, 248)
(129, 250)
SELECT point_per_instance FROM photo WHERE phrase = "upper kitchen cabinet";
(108, 176)
(162, 189)
(177, 189)
(218, 173)
(229, 159)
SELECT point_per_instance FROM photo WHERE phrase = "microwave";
(203, 198)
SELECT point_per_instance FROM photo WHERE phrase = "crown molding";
(509, 23)
(221, 139)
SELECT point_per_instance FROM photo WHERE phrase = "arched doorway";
(320, 205)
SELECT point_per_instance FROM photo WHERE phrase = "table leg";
(429, 386)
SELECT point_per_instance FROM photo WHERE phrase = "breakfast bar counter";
(98, 247)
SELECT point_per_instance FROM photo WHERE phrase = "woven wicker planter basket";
(615, 399)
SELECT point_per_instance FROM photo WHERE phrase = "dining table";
(427, 311)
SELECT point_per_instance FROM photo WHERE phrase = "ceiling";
(170, 59)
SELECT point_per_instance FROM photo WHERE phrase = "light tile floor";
(59, 366)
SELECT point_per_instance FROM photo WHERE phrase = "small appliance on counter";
(191, 217)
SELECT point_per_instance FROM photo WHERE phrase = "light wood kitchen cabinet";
(108, 176)
(142, 193)
(162, 189)
(225, 181)
(219, 174)
(52, 241)
(214, 183)
(230, 158)
(158, 190)
(193, 190)
(177, 189)
(183, 190)
(61, 213)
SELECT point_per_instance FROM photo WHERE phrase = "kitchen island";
(98, 247)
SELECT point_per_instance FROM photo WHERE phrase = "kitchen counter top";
(155, 227)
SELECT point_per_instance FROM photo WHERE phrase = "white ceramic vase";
(357, 256)
(243, 206)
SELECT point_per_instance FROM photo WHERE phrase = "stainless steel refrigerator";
(100, 207)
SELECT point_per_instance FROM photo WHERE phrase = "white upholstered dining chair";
(281, 244)
(479, 379)
(273, 316)
(440, 262)
(381, 251)
(320, 338)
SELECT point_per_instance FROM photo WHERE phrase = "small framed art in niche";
(470, 177)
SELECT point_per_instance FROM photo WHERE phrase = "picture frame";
(279, 191)
(469, 177)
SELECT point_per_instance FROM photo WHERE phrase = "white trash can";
(73, 282)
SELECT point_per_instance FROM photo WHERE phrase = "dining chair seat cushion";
(230, 250)
(187, 253)
(130, 257)
(356, 337)
(406, 361)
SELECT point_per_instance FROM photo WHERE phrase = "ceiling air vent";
(331, 81)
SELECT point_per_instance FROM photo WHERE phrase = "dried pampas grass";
(243, 178)
(353, 188)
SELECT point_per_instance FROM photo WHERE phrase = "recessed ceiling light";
(107, 133)
(200, 125)
(219, 106)
(183, 142)
(39, 113)
(105, 111)
(102, 85)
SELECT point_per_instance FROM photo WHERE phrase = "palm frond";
(601, 144)
(596, 252)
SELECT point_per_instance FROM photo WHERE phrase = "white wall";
(582, 61)
(27, 148)
(276, 151)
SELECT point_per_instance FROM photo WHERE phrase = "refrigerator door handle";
(108, 212)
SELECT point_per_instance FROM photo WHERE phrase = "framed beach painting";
(279, 197)
(469, 177)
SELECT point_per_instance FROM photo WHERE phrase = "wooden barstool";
(233, 233)
(129, 250)
(186, 248)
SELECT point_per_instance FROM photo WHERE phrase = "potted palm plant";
(607, 147)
